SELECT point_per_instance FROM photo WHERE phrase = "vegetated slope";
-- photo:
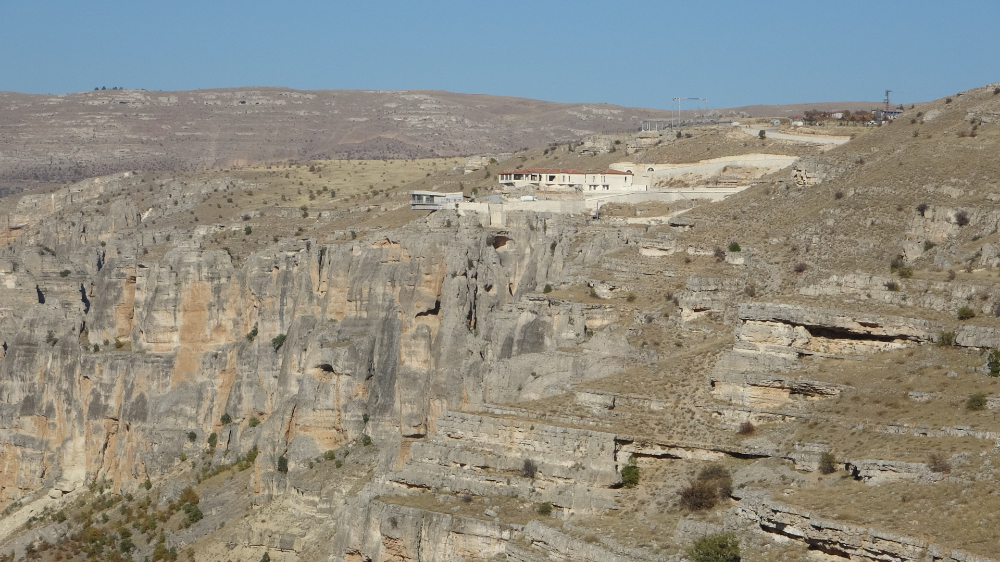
(884, 195)
(57, 138)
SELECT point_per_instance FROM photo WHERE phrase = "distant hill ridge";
(56, 138)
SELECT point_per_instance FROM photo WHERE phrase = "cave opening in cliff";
(834, 333)
(84, 299)
(431, 312)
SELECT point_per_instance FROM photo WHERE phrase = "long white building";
(565, 179)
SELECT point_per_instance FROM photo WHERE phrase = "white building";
(435, 201)
(564, 179)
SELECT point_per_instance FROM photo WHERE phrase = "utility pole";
(887, 99)
(678, 100)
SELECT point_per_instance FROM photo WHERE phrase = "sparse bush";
(226, 419)
(254, 422)
(946, 339)
(937, 462)
(928, 245)
(699, 495)
(278, 341)
(746, 428)
(630, 474)
(252, 334)
(993, 363)
(961, 218)
(996, 91)
(719, 254)
(734, 246)
(827, 463)
(838, 195)
(723, 547)
(50, 338)
(529, 469)
(547, 289)
(947, 100)
(64, 273)
(896, 263)
(552, 246)
(631, 297)
(976, 402)
(892, 286)
(544, 509)
(905, 272)
(965, 313)
(951, 275)
(800, 267)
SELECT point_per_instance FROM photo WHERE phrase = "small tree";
(630, 474)
(961, 218)
(213, 440)
(827, 463)
(278, 341)
(723, 547)
(547, 289)
(226, 419)
(734, 246)
(192, 436)
(529, 469)
(762, 134)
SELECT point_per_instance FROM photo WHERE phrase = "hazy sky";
(622, 52)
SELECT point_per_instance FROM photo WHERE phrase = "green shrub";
(213, 440)
(734, 247)
(282, 464)
(254, 422)
(928, 245)
(723, 547)
(247, 230)
(976, 402)
(252, 334)
(965, 313)
(64, 273)
(946, 339)
(366, 440)
(226, 419)
(827, 463)
(330, 455)
(547, 289)
(278, 341)
(544, 509)
(552, 246)
(630, 474)
(993, 362)
(147, 484)
(192, 436)
(631, 297)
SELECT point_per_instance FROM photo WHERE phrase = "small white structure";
(435, 201)
(564, 179)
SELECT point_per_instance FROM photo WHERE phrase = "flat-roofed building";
(435, 201)
(565, 179)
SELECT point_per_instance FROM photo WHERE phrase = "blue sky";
(624, 52)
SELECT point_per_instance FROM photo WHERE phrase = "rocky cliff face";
(113, 356)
